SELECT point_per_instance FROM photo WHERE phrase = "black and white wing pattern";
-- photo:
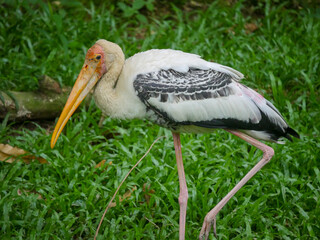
(207, 98)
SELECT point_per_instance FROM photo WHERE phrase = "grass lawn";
(276, 47)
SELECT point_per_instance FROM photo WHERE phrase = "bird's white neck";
(105, 94)
(114, 93)
(115, 96)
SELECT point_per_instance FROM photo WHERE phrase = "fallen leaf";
(57, 3)
(47, 83)
(28, 192)
(125, 196)
(230, 30)
(103, 163)
(147, 191)
(250, 27)
(11, 154)
(141, 34)
(100, 164)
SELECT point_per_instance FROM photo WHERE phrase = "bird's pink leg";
(183, 196)
(210, 218)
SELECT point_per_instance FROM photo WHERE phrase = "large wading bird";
(181, 92)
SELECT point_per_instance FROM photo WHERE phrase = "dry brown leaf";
(11, 154)
(125, 196)
(103, 163)
(28, 192)
(230, 30)
(57, 3)
(141, 34)
(146, 189)
(250, 27)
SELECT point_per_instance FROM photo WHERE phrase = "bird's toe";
(206, 227)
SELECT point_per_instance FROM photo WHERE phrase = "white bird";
(181, 92)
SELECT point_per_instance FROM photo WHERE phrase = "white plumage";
(157, 59)
(243, 104)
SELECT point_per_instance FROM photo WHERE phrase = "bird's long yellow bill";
(86, 80)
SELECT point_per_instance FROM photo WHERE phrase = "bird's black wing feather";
(196, 84)
(171, 86)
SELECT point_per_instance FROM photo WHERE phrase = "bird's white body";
(141, 63)
(123, 102)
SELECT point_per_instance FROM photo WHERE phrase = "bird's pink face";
(92, 70)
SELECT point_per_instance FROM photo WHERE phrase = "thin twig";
(152, 223)
(114, 195)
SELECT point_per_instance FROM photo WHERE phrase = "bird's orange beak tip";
(86, 80)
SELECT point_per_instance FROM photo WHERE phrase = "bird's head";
(99, 59)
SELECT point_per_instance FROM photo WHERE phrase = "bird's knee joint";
(183, 198)
(268, 153)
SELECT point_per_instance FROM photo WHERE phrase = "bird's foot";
(209, 221)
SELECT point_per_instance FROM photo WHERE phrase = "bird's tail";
(291, 132)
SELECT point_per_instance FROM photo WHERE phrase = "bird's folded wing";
(206, 98)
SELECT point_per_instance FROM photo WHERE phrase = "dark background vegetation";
(275, 44)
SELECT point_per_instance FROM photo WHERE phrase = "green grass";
(280, 59)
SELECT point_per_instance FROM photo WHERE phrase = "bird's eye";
(98, 57)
